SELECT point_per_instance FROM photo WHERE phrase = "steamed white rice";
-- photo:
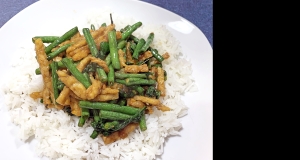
(57, 134)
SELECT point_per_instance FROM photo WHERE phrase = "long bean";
(102, 75)
(113, 115)
(143, 125)
(136, 81)
(84, 116)
(110, 125)
(104, 49)
(58, 51)
(111, 75)
(121, 44)
(112, 40)
(61, 39)
(138, 88)
(120, 75)
(138, 47)
(54, 79)
(94, 134)
(148, 42)
(45, 39)
(130, 30)
(108, 59)
(108, 107)
(157, 55)
(75, 72)
(59, 64)
(90, 41)
(96, 115)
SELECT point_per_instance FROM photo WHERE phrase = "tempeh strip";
(136, 68)
(161, 81)
(122, 58)
(75, 109)
(44, 67)
(144, 99)
(71, 82)
(94, 90)
(64, 98)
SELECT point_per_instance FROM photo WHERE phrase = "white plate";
(195, 141)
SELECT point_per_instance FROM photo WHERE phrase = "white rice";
(57, 134)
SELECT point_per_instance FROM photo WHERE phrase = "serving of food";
(109, 88)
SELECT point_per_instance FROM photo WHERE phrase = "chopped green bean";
(143, 125)
(130, 30)
(110, 125)
(113, 49)
(108, 59)
(120, 75)
(157, 55)
(104, 49)
(111, 75)
(54, 79)
(94, 134)
(113, 115)
(84, 116)
(90, 41)
(102, 75)
(45, 39)
(121, 44)
(61, 39)
(58, 51)
(136, 81)
(108, 107)
(75, 72)
(96, 115)
(138, 47)
(148, 42)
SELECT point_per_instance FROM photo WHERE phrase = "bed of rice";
(57, 134)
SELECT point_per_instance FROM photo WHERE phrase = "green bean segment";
(61, 39)
(113, 50)
(45, 39)
(108, 107)
(90, 41)
(75, 72)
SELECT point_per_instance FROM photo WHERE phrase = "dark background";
(199, 12)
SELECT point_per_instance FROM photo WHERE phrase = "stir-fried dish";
(110, 79)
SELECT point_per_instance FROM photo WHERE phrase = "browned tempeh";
(161, 81)
(64, 96)
(44, 67)
(36, 95)
(145, 56)
(135, 103)
(100, 63)
(121, 134)
(106, 97)
(72, 83)
(94, 90)
(82, 42)
(109, 91)
(136, 68)
(129, 58)
(166, 55)
(149, 100)
(80, 53)
(163, 108)
(75, 108)
(122, 58)
(84, 62)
